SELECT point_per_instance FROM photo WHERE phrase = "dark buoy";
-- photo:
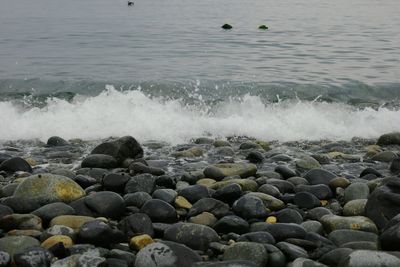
(226, 26)
(130, 3)
(263, 27)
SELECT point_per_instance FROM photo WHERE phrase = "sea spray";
(118, 113)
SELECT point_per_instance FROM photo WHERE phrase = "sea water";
(165, 70)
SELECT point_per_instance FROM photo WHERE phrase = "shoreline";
(208, 202)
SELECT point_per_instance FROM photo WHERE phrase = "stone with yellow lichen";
(206, 182)
(55, 239)
(271, 220)
(47, 188)
(140, 241)
(332, 222)
(31, 161)
(181, 202)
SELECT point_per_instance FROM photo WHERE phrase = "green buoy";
(226, 26)
(263, 27)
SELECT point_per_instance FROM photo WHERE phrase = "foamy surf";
(118, 113)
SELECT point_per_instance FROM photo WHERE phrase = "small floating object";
(130, 3)
(263, 27)
(226, 26)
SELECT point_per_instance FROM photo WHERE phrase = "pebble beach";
(236, 201)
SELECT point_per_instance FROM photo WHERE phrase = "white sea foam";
(115, 113)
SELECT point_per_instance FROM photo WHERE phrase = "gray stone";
(195, 236)
(355, 207)
(167, 195)
(368, 258)
(313, 227)
(356, 191)
(319, 176)
(216, 207)
(249, 207)
(136, 224)
(307, 163)
(141, 183)
(247, 251)
(17, 244)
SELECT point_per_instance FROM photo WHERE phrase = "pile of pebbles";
(209, 203)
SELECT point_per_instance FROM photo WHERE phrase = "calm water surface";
(309, 41)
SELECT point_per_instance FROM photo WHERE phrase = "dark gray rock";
(318, 213)
(306, 200)
(99, 161)
(289, 216)
(52, 210)
(234, 263)
(115, 182)
(229, 193)
(57, 141)
(276, 258)
(395, 166)
(332, 258)
(195, 236)
(250, 207)
(138, 167)
(15, 164)
(258, 237)
(319, 176)
(283, 185)
(5, 210)
(280, 231)
(321, 191)
(231, 224)
(126, 256)
(136, 224)
(384, 203)
(31, 257)
(120, 149)
(390, 237)
(255, 157)
(214, 206)
(389, 139)
(136, 199)
(141, 183)
(285, 171)
(106, 204)
(292, 251)
(194, 193)
(270, 189)
(99, 234)
(159, 211)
